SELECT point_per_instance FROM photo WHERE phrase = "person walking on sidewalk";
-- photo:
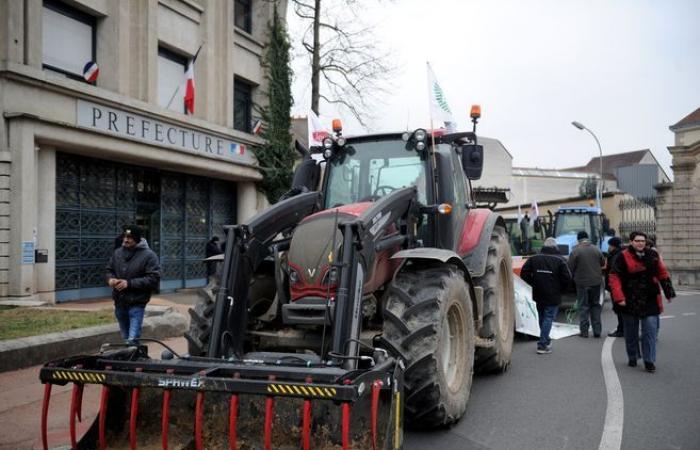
(548, 275)
(586, 264)
(614, 249)
(133, 273)
(635, 278)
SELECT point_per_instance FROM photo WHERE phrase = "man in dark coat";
(212, 249)
(614, 248)
(634, 280)
(548, 275)
(133, 273)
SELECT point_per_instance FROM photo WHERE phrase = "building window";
(68, 39)
(242, 105)
(242, 12)
(171, 80)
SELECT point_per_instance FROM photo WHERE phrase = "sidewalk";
(166, 317)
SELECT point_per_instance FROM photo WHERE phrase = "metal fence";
(638, 214)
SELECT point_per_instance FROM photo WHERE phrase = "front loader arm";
(367, 234)
(246, 246)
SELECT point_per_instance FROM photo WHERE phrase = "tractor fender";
(444, 257)
(475, 238)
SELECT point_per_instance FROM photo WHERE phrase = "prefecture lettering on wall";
(155, 132)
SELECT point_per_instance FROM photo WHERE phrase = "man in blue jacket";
(548, 275)
(133, 273)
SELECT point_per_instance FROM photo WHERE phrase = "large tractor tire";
(428, 318)
(499, 306)
(200, 322)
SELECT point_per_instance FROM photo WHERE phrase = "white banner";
(439, 109)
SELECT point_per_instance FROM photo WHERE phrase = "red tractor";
(368, 296)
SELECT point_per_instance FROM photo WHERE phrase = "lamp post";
(599, 188)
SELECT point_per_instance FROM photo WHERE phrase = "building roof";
(612, 162)
(691, 119)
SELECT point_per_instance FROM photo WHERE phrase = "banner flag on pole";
(439, 109)
(535, 211)
(315, 130)
(189, 84)
(520, 215)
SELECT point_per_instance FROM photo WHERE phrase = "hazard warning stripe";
(84, 377)
(301, 390)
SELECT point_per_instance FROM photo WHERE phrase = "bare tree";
(347, 67)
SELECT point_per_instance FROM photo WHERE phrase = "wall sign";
(27, 252)
(151, 131)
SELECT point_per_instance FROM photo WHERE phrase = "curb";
(30, 351)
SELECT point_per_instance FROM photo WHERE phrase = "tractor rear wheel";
(428, 318)
(499, 307)
(200, 322)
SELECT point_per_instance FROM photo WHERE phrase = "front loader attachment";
(264, 401)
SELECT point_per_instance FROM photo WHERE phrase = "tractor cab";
(569, 220)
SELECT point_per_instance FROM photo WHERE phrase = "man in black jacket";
(133, 273)
(548, 275)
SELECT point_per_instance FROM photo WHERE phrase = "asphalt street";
(559, 401)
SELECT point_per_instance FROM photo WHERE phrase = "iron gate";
(638, 214)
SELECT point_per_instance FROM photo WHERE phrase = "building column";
(22, 206)
(247, 200)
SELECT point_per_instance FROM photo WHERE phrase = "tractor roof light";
(475, 112)
(337, 126)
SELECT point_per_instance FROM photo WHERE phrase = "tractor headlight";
(420, 134)
(340, 141)
(327, 153)
(293, 277)
(420, 146)
(327, 143)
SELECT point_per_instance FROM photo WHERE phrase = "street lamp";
(599, 188)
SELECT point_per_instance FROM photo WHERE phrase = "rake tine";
(233, 418)
(134, 414)
(269, 412)
(166, 413)
(345, 423)
(199, 406)
(75, 396)
(45, 415)
(104, 399)
(376, 387)
(306, 422)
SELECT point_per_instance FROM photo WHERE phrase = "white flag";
(520, 215)
(439, 109)
(535, 210)
(315, 130)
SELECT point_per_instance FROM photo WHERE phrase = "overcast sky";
(625, 69)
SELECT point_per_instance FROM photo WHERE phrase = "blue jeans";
(130, 319)
(650, 326)
(546, 316)
(588, 300)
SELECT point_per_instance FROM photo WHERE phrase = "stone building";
(678, 205)
(79, 159)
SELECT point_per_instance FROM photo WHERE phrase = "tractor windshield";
(368, 170)
(572, 224)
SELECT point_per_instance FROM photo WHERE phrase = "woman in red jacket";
(634, 281)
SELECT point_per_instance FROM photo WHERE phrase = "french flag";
(91, 72)
(189, 84)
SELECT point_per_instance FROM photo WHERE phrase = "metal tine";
(166, 413)
(269, 416)
(134, 414)
(75, 398)
(233, 418)
(376, 388)
(45, 415)
(345, 423)
(198, 412)
(104, 399)
(306, 421)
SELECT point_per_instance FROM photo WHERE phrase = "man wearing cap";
(548, 275)
(586, 263)
(614, 247)
(133, 273)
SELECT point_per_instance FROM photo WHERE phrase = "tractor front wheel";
(428, 318)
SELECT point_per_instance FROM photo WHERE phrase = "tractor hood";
(314, 247)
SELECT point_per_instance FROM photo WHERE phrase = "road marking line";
(688, 314)
(667, 317)
(611, 438)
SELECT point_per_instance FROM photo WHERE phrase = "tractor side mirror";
(473, 160)
(306, 175)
